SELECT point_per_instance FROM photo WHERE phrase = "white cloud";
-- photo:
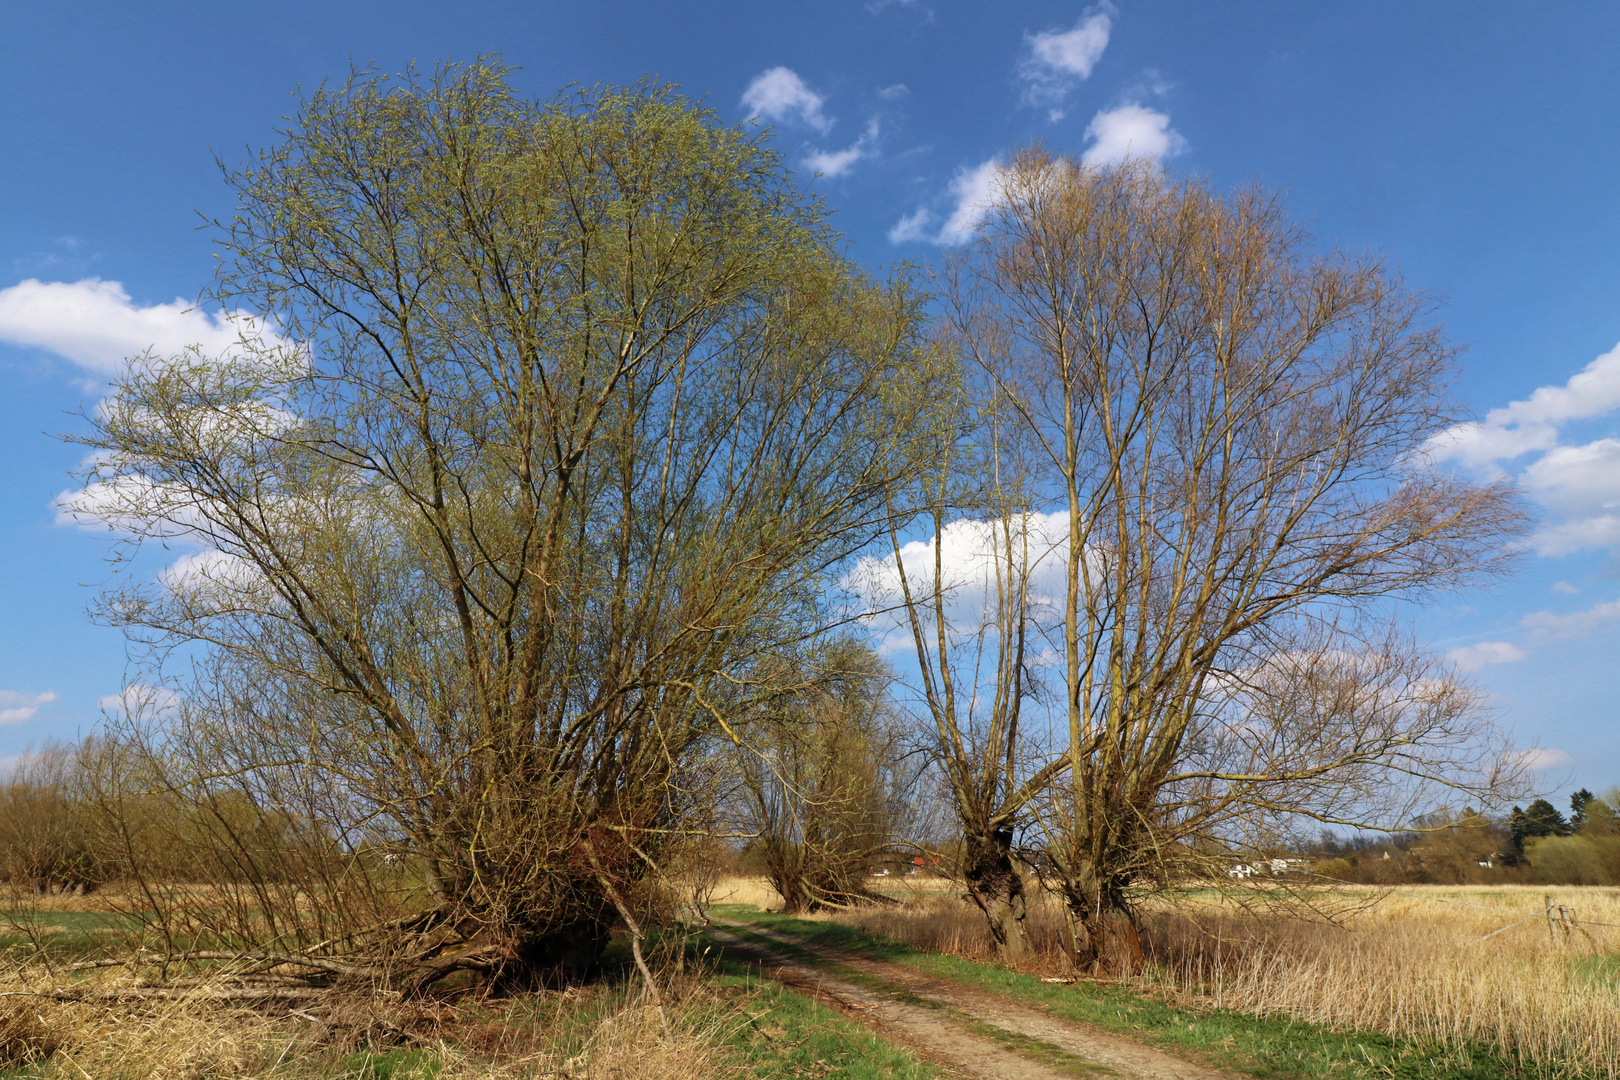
(1565, 588)
(1592, 391)
(1131, 131)
(876, 7)
(780, 95)
(973, 191)
(1572, 624)
(131, 506)
(969, 553)
(1058, 59)
(1582, 484)
(96, 325)
(1476, 444)
(1566, 537)
(213, 572)
(16, 706)
(913, 227)
(1532, 423)
(1474, 657)
(140, 701)
(839, 162)
(1542, 760)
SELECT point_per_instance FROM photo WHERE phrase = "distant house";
(1272, 867)
(1285, 866)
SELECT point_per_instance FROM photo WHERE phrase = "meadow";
(1460, 982)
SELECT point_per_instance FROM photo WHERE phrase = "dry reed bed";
(1415, 963)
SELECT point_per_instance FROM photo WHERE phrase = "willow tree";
(825, 783)
(970, 597)
(583, 404)
(1232, 427)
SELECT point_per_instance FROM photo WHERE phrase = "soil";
(937, 1021)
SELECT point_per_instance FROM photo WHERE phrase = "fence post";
(1547, 908)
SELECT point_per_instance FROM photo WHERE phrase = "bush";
(1575, 860)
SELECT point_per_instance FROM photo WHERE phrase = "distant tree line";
(1533, 844)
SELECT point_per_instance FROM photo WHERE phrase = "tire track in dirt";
(1104, 1050)
(922, 1030)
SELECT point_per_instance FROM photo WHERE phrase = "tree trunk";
(996, 887)
(1108, 940)
(557, 958)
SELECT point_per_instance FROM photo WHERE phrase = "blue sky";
(1474, 145)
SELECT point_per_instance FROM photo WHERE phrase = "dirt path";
(922, 1030)
(944, 1032)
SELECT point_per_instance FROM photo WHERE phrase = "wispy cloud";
(140, 701)
(1055, 61)
(877, 7)
(16, 706)
(1572, 624)
(915, 227)
(838, 162)
(780, 96)
(972, 194)
(1485, 653)
(1544, 759)
(975, 192)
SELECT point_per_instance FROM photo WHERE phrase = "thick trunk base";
(1108, 942)
(562, 957)
(997, 889)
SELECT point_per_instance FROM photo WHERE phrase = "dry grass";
(746, 890)
(592, 1035)
(756, 891)
(1411, 963)
(1415, 966)
(600, 1033)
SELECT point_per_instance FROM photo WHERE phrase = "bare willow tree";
(968, 598)
(827, 783)
(583, 405)
(1233, 429)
